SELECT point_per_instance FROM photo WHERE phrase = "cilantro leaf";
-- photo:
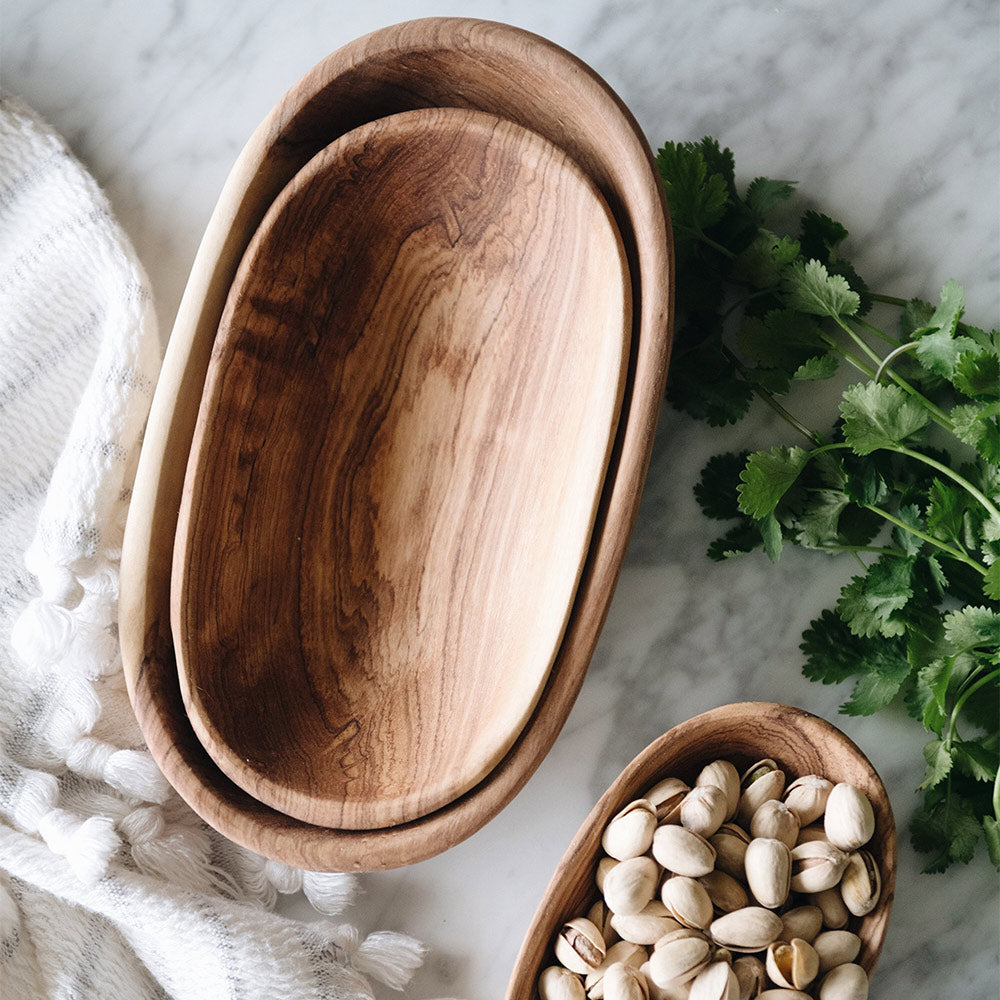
(879, 416)
(939, 763)
(770, 533)
(704, 384)
(715, 490)
(744, 537)
(815, 369)
(764, 261)
(820, 235)
(992, 830)
(946, 510)
(810, 288)
(818, 525)
(870, 604)
(780, 338)
(976, 425)
(907, 541)
(991, 582)
(971, 627)
(696, 196)
(834, 654)
(946, 829)
(975, 759)
(876, 688)
(767, 478)
(978, 374)
(763, 195)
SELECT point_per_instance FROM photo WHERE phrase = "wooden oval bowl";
(438, 62)
(744, 733)
(399, 453)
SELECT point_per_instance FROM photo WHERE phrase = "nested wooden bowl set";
(397, 447)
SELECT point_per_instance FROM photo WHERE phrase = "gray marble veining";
(886, 112)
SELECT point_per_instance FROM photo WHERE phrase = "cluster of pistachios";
(733, 889)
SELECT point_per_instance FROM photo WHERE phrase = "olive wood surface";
(743, 733)
(449, 62)
(399, 453)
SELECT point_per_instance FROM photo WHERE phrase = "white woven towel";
(109, 885)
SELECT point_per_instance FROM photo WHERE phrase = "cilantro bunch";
(903, 474)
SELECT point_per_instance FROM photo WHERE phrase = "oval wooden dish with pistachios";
(749, 849)
(533, 85)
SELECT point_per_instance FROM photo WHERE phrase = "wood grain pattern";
(744, 733)
(451, 62)
(400, 449)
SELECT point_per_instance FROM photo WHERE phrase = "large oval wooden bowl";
(400, 449)
(446, 62)
(744, 733)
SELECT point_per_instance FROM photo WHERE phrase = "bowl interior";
(800, 743)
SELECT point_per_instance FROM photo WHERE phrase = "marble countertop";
(885, 111)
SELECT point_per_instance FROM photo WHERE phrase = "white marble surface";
(886, 111)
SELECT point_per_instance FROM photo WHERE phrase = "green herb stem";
(930, 539)
(954, 476)
(717, 247)
(889, 300)
(876, 332)
(964, 697)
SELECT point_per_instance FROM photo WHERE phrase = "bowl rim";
(562, 898)
(275, 151)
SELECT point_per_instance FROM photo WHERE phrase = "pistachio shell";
(807, 834)
(844, 982)
(682, 851)
(835, 914)
(600, 915)
(630, 832)
(682, 933)
(768, 870)
(722, 774)
(749, 972)
(621, 953)
(861, 884)
(688, 901)
(603, 867)
(673, 990)
(806, 797)
(816, 866)
(630, 885)
(730, 845)
(680, 958)
(645, 927)
(836, 948)
(783, 994)
(666, 797)
(558, 983)
(704, 809)
(792, 964)
(724, 891)
(763, 781)
(624, 982)
(752, 928)
(850, 819)
(801, 922)
(579, 946)
(774, 819)
(715, 982)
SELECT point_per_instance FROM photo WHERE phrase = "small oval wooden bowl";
(436, 62)
(400, 449)
(744, 733)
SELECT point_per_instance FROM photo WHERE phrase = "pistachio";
(682, 851)
(861, 884)
(603, 867)
(558, 983)
(621, 953)
(715, 982)
(666, 797)
(679, 958)
(600, 916)
(749, 929)
(769, 871)
(835, 914)
(850, 819)
(688, 901)
(763, 781)
(792, 964)
(844, 982)
(722, 774)
(801, 922)
(816, 866)
(783, 994)
(724, 891)
(730, 845)
(673, 990)
(682, 933)
(807, 834)
(704, 809)
(806, 797)
(630, 832)
(624, 982)
(749, 972)
(645, 927)
(579, 946)
(836, 948)
(775, 819)
(630, 885)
